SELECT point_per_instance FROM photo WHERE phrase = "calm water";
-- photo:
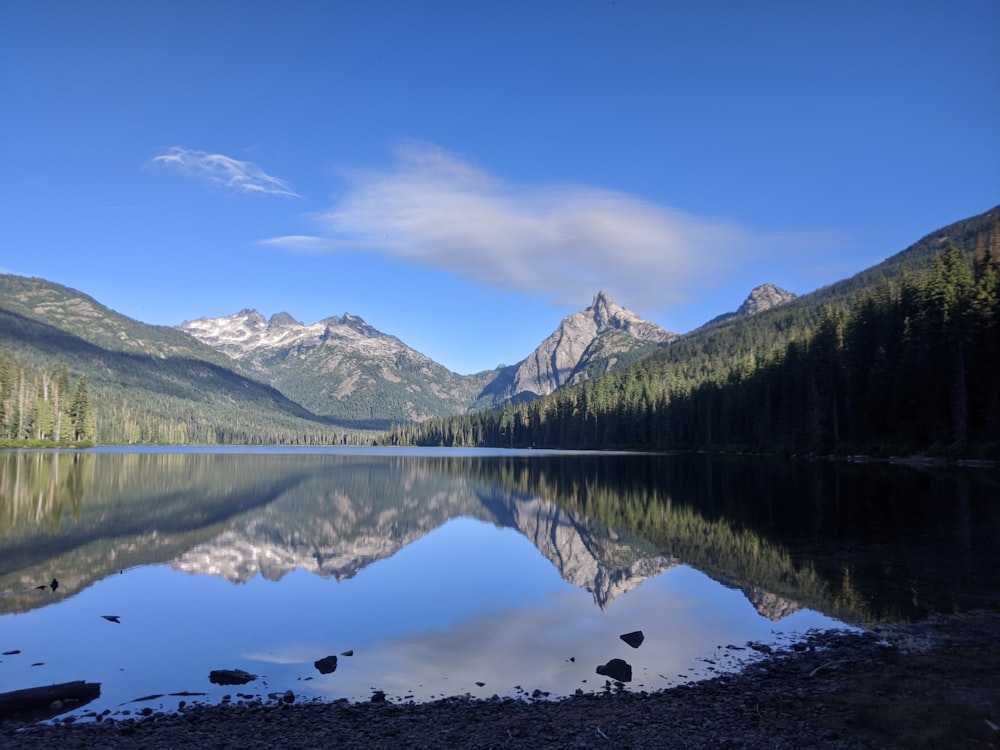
(441, 570)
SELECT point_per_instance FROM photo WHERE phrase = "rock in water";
(634, 639)
(39, 703)
(326, 665)
(616, 669)
(230, 677)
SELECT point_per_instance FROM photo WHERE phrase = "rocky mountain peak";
(283, 319)
(602, 309)
(357, 323)
(606, 315)
(764, 297)
(573, 344)
(247, 317)
(338, 366)
(248, 330)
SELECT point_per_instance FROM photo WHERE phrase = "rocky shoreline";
(930, 684)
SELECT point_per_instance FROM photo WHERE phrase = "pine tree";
(80, 410)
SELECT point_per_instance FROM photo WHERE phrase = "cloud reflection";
(557, 646)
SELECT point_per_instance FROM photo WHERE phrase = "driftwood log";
(37, 703)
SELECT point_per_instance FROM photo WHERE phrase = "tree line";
(43, 405)
(910, 365)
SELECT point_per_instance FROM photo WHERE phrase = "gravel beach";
(932, 684)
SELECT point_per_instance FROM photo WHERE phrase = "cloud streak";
(437, 210)
(239, 176)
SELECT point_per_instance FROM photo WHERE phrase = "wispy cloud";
(436, 209)
(240, 176)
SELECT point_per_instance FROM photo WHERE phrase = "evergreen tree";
(80, 410)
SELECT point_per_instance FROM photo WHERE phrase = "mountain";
(71, 315)
(764, 297)
(343, 368)
(595, 340)
(793, 375)
(760, 299)
(340, 367)
(153, 383)
(244, 378)
(735, 338)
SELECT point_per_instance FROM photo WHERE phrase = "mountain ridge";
(143, 375)
(329, 364)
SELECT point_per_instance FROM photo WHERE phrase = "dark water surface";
(439, 570)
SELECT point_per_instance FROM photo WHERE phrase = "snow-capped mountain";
(344, 368)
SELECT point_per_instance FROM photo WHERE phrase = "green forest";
(50, 406)
(909, 365)
(41, 406)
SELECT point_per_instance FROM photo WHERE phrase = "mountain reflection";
(860, 543)
(336, 525)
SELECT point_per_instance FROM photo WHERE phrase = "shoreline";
(919, 458)
(929, 684)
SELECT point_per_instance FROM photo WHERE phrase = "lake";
(433, 573)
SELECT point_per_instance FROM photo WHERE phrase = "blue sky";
(462, 175)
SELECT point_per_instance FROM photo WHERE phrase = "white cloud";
(311, 245)
(563, 241)
(240, 176)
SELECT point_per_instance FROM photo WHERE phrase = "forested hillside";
(73, 370)
(890, 361)
(147, 403)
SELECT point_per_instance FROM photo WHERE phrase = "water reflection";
(444, 570)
